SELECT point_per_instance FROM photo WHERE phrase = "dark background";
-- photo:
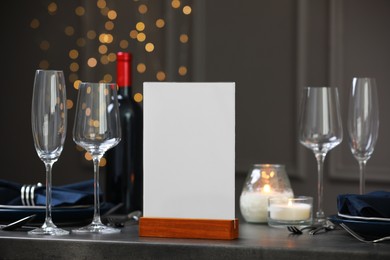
(270, 48)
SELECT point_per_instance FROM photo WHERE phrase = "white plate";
(362, 218)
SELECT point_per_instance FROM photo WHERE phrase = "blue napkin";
(373, 204)
(80, 193)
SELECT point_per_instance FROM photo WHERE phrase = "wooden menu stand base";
(188, 228)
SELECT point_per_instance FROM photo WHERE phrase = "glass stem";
(320, 215)
(96, 189)
(362, 168)
(48, 219)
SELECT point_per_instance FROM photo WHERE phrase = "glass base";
(48, 230)
(96, 228)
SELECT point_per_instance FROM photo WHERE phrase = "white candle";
(290, 211)
(254, 205)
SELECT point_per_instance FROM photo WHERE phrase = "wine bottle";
(124, 169)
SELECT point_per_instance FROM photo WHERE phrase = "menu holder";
(189, 160)
(189, 228)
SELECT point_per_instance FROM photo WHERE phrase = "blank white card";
(189, 150)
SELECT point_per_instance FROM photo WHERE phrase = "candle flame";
(267, 188)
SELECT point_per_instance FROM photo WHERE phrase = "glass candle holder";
(284, 212)
(263, 181)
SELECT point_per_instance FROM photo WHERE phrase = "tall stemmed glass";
(320, 129)
(97, 129)
(49, 121)
(363, 122)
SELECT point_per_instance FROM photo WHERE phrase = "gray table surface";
(254, 242)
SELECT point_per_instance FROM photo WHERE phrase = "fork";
(298, 231)
(360, 238)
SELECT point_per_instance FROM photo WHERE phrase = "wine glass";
(363, 122)
(97, 129)
(49, 121)
(320, 129)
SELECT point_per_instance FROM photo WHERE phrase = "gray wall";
(272, 49)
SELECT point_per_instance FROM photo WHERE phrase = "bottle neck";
(124, 91)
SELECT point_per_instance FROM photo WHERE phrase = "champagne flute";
(363, 122)
(320, 129)
(97, 129)
(49, 121)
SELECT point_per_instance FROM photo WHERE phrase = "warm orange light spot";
(34, 23)
(103, 49)
(74, 66)
(149, 47)
(109, 25)
(182, 70)
(45, 45)
(142, 9)
(69, 104)
(92, 62)
(73, 54)
(69, 30)
(76, 84)
(112, 14)
(187, 10)
(141, 67)
(141, 37)
(160, 75)
(183, 38)
(160, 23)
(138, 97)
(91, 34)
(267, 188)
(175, 3)
(80, 11)
(140, 26)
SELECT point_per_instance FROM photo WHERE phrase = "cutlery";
(18, 223)
(298, 231)
(314, 229)
(360, 238)
(120, 220)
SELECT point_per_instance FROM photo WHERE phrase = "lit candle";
(290, 211)
(254, 204)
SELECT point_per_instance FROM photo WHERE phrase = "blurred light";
(149, 47)
(160, 75)
(112, 57)
(44, 64)
(138, 97)
(103, 49)
(92, 62)
(102, 162)
(140, 26)
(109, 25)
(81, 42)
(88, 110)
(141, 68)
(133, 34)
(104, 11)
(91, 34)
(73, 54)
(52, 8)
(104, 59)
(142, 9)
(34, 23)
(123, 44)
(45, 45)
(183, 38)
(107, 78)
(69, 104)
(182, 70)
(160, 23)
(112, 14)
(187, 10)
(74, 67)
(101, 4)
(69, 30)
(106, 38)
(76, 84)
(141, 37)
(80, 11)
(175, 3)
(88, 156)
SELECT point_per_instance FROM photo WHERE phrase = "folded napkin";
(373, 204)
(80, 193)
